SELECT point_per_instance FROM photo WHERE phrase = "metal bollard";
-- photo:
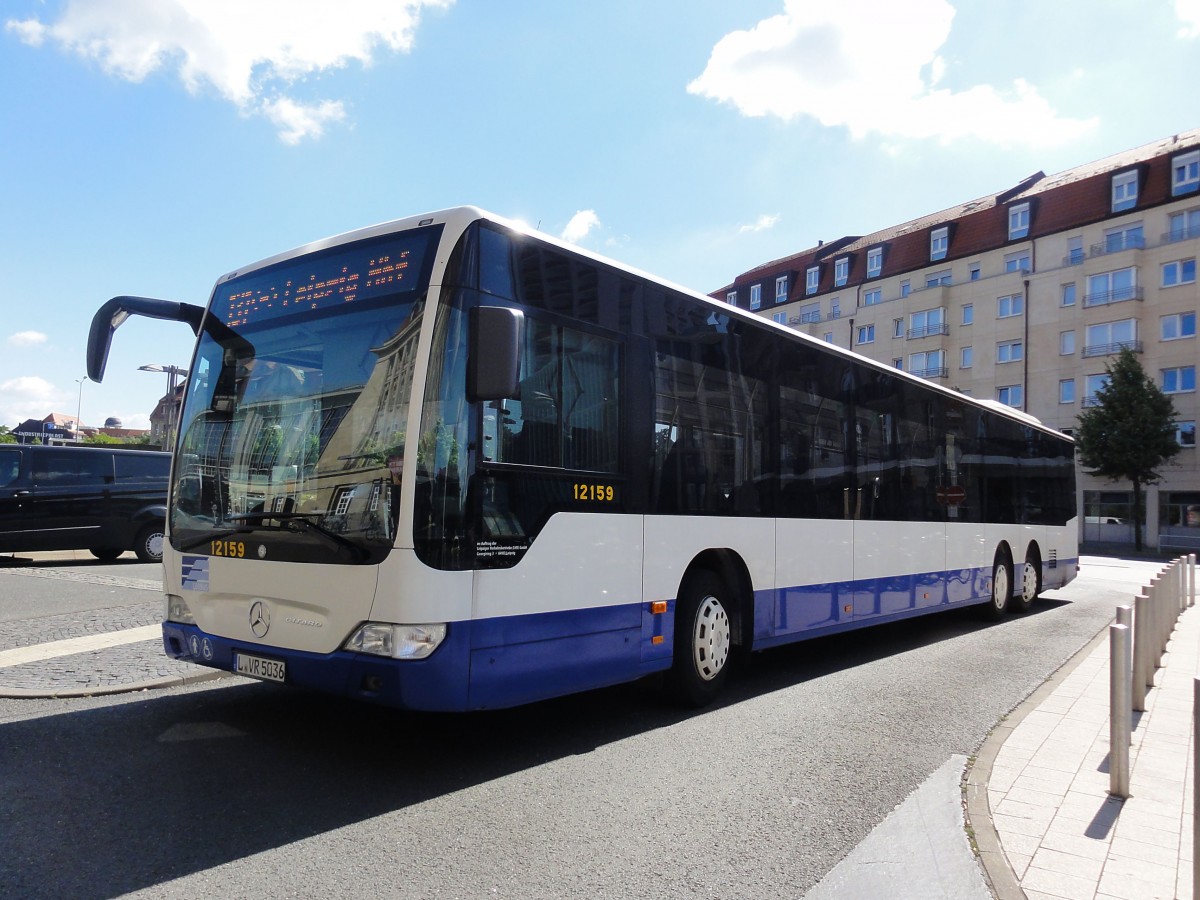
(1120, 718)
(1191, 580)
(1143, 672)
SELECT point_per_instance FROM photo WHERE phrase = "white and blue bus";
(450, 463)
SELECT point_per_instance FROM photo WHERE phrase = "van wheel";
(107, 554)
(703, 639)
(1002, 580)
(149, 543)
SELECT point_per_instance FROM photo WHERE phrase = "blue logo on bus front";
(195, 573)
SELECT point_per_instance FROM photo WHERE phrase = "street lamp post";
(79, 409)
(173, 373)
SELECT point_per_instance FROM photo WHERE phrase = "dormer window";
(781, 289)
(1124, 191)
(841, 271)
(939, 243)
(812, 278)
(1018, 221)
(874, 262)
(731, 298)
(755, 296)
(1185, 174)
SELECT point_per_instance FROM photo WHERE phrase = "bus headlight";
(179, 611)
(396, 641)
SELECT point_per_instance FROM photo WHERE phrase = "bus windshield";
(293, 425)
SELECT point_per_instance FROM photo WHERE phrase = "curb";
(996, 868)
(110, 689)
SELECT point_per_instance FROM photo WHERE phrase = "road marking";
(38, 652)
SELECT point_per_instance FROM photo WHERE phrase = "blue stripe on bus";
(493, 663)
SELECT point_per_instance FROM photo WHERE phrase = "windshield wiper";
(305, 519)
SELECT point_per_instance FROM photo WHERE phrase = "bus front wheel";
(703, 639)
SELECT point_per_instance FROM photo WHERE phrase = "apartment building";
(1023, 296)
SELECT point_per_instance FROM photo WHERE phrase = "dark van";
(83, 498)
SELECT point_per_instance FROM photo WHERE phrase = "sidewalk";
(101, 651)
(1038, 799)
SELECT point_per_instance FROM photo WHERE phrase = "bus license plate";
(257, 667)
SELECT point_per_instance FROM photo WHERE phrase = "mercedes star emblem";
(260, 619)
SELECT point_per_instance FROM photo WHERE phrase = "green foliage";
(98, 438)
(1130, 433)
(6, 436)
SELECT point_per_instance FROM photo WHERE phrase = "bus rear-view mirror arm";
(113, 314)
(494, 354)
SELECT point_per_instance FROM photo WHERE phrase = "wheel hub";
(711, 638)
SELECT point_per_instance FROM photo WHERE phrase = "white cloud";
(26, 338)
(248, 52)
(28, 397)
(762, 223)
(581, 223)
(871, 68)
(1189, 18)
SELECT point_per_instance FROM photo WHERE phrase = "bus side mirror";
(494, 355)
(112, 314)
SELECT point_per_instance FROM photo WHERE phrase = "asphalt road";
(248, 789)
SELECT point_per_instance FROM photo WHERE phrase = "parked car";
(83, 498)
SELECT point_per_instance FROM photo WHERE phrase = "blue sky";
(149, 146)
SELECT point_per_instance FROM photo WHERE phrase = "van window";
(143, 468)
(72, 468)
(10, 467)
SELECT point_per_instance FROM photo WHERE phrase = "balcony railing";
(1091, 400)
(1119, 295)
(1115, 243)
(930, 372)
(1181, 234)
(927, 331)
(1111, 349)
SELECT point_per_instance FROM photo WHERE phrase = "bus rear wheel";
(1002, 580)
(1031, 583)
(703, 639)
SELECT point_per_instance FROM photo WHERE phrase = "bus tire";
(149, 543)
(1031, 583)
(1002, 580)
(703, 639)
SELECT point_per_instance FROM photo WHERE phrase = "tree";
(6, 435)
(1130, 433)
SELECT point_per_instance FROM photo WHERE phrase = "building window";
(967, 358)
(1180, 325)
(1185, 173)
(874, 262)
(755, 296)
(1183, 226)
(810, 313)
(968, 313)
(905, 289)
(866, 334)
(939, 243)
(1111, 287)
(1012, 305)
(731, 298)
(1068, 294)
(873, 297)
(933, 279)
(1010, 351)
(1018, 221)
(781, 289)
(897, 328)
(1185, 434)
(829, 337)
(931, 364)
(1110, 337)
(1011, 395)
(898, 363)
(1094, 385)
(812, 277)
(1066, 343)
(780, 317)
(1074, 251)
(973, 271)
(1124, 191)
(1181, 380)
(1066, 390)
(1127, 237)
(1181, 271)
(1018, 262)
(841, 271)
(835, 308)
(926, 322)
